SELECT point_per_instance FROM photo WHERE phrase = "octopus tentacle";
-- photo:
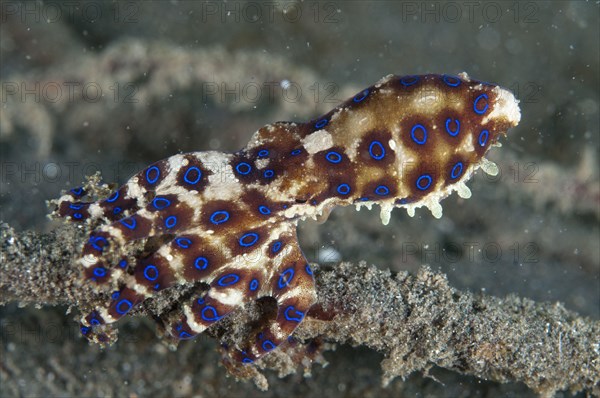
(292, 286)
(229, 289)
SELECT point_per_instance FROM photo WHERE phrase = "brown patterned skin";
(229, 220)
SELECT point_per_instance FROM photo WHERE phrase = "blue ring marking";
(253, 285)
(77, 191)
(361, 96)
(201, 263)
(215, 315)
(171, 221)
(184, 243)
(151, 272)
(296, 152)
(84, 330)
(123, 263)
(113, 197)
(122, 311)
(77, 216)
(299, 315)
(276, 247)
(129, 222)
(449, 131)
(382, 190)
(200, 301)
(100, 272)
(157, 286)
(117, 210)
(456, 170)
(228, 280)
(333, 157)
(483, 137)
(264, 210)
(253, 235)
(268, 173)
(285, 278)
(268, 345)
(115, 295)
(308, 270)
(381, 149)
(451, 80)
(187, 178)
(161, 203)
(219, 217)
(428, 180)
(247, 360)
(94, 322)
(343, 189)
(243, 168)
(94, 239)
(321, 123)
(76, 206)
(154, 169)
(184, 335)
(409, 80)
(414, 138)
(485, 108)
(263, 153)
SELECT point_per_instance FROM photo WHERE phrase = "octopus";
(228, 220)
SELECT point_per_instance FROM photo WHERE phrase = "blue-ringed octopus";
(229, 219)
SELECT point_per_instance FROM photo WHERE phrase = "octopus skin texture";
(229, 219)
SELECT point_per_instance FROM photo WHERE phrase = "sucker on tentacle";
(229, 220)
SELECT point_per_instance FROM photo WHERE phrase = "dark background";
(94, 85)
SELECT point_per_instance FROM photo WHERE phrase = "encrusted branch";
(416, 321)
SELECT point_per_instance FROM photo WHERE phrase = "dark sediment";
(415, 321)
